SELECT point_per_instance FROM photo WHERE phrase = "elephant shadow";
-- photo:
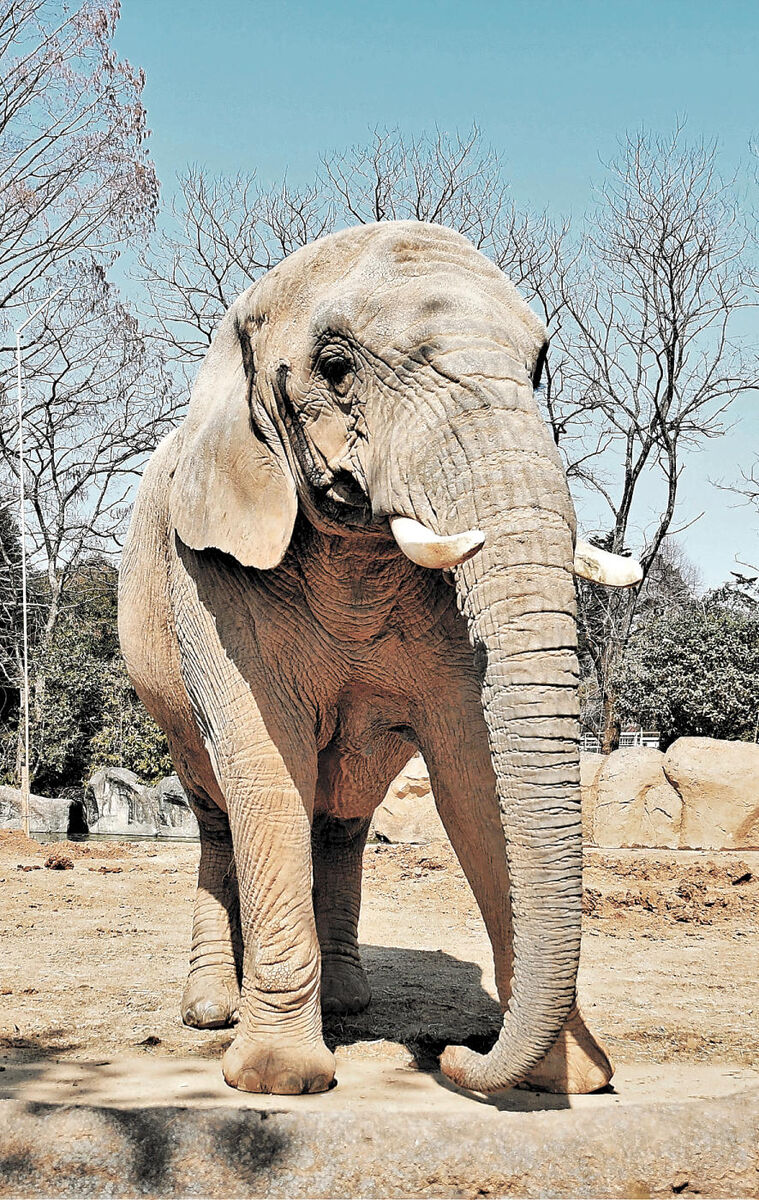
(427, 1000)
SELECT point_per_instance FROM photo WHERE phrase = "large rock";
(47, 814)
(176, 818)
(635, 805)
(718, 782)
(118, 803)
(590, 770)
(408, 812)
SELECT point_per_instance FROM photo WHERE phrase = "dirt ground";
(94, 957)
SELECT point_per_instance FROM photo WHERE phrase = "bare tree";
(97, 401)
(651, 353)
(749, 486)
(75, 176)
(76, 183)
(229, 231)
(447, 180)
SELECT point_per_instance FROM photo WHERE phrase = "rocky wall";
(702, 794)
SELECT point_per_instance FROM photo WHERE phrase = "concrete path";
(168, 1126)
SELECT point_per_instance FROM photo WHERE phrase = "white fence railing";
(590, 743)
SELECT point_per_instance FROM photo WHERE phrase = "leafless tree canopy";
(228, 231)
(456, 181)
(650, 352)
(76, 183)
(650, 306)
(96, 401)
(749, 486)
(75, 176)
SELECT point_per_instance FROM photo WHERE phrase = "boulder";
(408, 812)
(175, 817)
(590, 769)
(47, 814)
(117, 803)
(718, 783)
(635, 804)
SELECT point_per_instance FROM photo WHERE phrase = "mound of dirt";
(13, 843)
(699, 893)
(648, 869)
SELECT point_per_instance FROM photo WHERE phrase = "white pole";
(22, 530)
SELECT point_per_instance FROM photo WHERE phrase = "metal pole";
(24, 598)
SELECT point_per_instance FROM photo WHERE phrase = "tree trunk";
(611, 728)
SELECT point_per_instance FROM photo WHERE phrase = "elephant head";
(381, 383)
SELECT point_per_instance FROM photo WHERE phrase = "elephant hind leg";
(337, 848)
(350, 786)
(211, 994)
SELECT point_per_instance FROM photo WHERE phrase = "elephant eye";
(337, 368)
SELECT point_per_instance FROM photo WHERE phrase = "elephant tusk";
(601, 567)
(428, 549)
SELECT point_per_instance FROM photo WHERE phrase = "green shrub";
(695, 671)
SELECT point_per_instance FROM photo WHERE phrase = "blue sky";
(244, 85)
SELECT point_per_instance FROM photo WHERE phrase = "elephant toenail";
(288, 1084)
(249, 1081)
(320, 1083)
(213, 1014)
(208, 1015)
(596, 1079)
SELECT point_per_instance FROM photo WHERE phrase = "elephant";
(359, 544)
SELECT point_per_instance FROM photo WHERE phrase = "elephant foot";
(282, 1068)
(210, 1000)
(576, 1065)
(345, 988)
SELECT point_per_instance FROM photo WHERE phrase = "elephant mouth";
(344, 501)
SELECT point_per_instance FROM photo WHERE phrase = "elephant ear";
(232, 489)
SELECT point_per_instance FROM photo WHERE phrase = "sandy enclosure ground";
(94, 958)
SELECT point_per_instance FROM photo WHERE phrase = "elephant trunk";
(503, 477)
(520, 630)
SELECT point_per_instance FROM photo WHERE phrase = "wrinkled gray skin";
(295, 658)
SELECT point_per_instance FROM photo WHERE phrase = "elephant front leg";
(338, 847)
(279, 1046)
(211, 994)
